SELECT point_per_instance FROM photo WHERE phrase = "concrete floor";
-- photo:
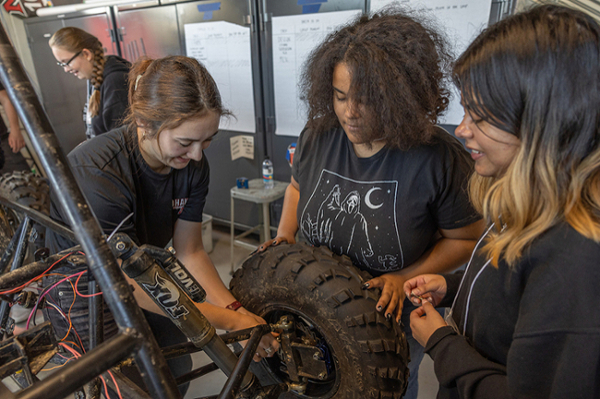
(212, 383)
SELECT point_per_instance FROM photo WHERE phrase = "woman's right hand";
(276, 241)
(268, 345)
(430, 287)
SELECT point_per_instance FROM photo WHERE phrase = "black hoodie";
(113, 96)
(530, 331)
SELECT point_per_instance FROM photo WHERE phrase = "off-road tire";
(323, 290)
(29, 190)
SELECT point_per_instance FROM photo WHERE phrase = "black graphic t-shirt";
(384, 211)
(116, 181)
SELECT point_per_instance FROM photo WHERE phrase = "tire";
(367, 355)
(29, 190)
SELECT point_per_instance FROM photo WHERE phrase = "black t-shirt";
(384, 211)
(116, 181)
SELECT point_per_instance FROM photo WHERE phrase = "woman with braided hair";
(81, 54)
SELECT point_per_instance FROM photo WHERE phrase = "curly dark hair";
(399, 65)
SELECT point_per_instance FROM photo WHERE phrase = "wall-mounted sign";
(23, 8)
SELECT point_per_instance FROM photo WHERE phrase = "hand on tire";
(275, 241)
(431, 287)
(392, 294)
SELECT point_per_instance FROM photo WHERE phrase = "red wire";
(82, 295)
(36, 278)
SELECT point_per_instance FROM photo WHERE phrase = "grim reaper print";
(355, 218)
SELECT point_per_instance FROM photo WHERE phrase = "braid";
(97, 78)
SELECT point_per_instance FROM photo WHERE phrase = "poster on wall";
(294, 37)
(462, 21)
(224, 49)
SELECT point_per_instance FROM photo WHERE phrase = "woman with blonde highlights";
(523, 321)
(82, 54)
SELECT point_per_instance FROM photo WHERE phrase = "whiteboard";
(462, 21)
(224, 49)
(294, 37)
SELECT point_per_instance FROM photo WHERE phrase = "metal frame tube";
(102, 262)
(40, 218)
(77, 373)
(239, 372)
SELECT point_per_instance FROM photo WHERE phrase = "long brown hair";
(165, 92)
(75, 40)
(537, 75)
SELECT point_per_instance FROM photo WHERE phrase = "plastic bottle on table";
(267, 171)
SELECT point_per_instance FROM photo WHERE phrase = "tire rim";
(321, 389)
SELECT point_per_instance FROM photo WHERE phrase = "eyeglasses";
(66, 64)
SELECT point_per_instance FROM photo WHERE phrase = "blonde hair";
(537, 75)
(75, 40)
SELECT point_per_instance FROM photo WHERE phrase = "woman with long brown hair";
(154, 168)
(523, 321)
(82, 55)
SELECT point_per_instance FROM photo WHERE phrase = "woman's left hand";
(424, 321)
(268, 345)
(392, 294)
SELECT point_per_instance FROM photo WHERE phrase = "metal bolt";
(60, 293)
(171, 250)
(322, 376)
(120, 246)
(317, 356)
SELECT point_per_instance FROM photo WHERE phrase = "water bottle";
(267, 171)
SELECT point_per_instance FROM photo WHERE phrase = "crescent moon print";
(368, 199)
(355, 218)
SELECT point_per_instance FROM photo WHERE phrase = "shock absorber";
(145, 265)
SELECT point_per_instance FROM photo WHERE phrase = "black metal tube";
(96, 328)
(10, 249)
(27, 272)
(199, 372)
(240, 370)
(24, 230)
(75, 374)
(185, 348)
(40, 218)
(101, 261)
(22, 244)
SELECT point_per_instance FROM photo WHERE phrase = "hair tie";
(136, 81)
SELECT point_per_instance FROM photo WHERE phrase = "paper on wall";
(224, 49)
(462, 21)
(242, 147)
(294, 37)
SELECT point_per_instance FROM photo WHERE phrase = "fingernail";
(262, 247)
(388, 317)
(365, 286)
(379, 308)
(275, 242)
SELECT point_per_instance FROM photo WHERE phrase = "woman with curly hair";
(373, 177)
(82, 54)
(524, 323)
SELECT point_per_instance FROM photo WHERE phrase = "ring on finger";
(269, 350)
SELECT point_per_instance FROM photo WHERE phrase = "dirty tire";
(29, 190)
(369, 355)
